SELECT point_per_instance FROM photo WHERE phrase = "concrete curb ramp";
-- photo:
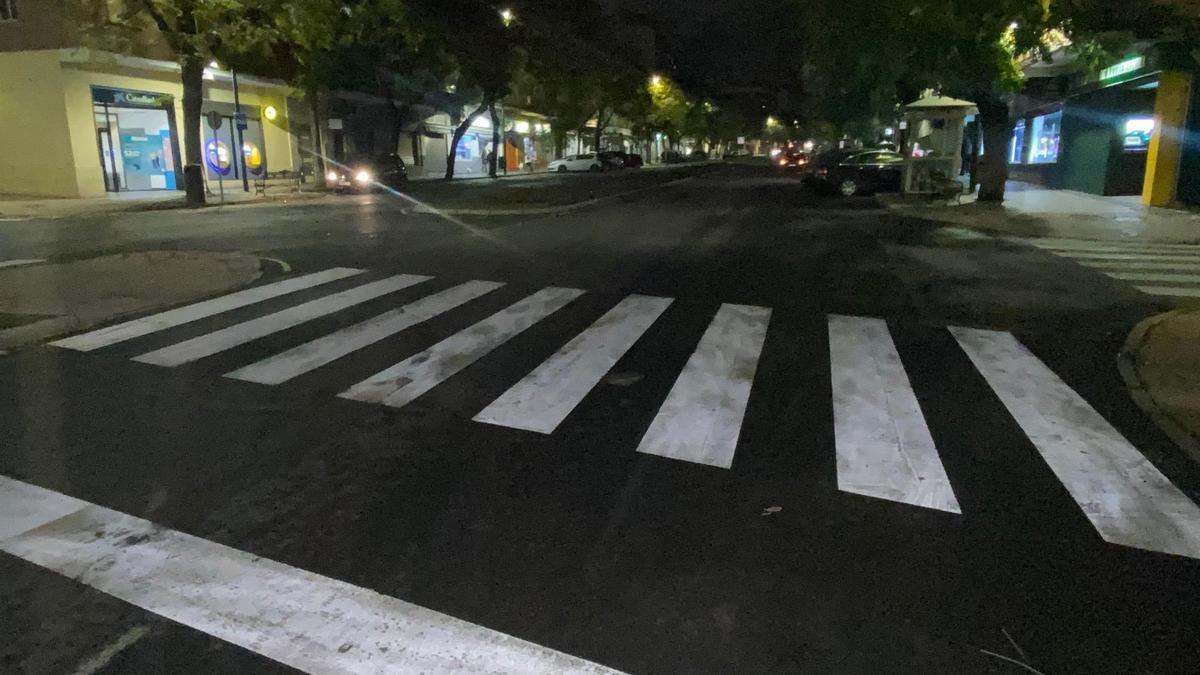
(62, 297)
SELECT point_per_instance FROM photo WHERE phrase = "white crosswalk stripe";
(884, 448)
(247, 331)
(544, 398)
(310, 355)
(1155, 269)
(121, 332)
(1124, 496)
(702, 417)
(398, 385)
(298, 618)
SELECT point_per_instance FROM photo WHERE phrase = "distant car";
(612, 159)
(366, 175)
(671, 157)
(585, 162)
(790, 159)
(633, 160)
(697, 156)
(855, 172)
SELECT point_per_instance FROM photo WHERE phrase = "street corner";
(1161, 366)
(44, 298)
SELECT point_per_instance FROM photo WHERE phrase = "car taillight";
(822, 171)
(782, 161)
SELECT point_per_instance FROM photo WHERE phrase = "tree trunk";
(459, 132)
(193, 153)
(600, 124)
(997, 129)
(495, 142)
(318, 149)
(560, 140)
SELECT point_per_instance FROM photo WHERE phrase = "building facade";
(1131, 129)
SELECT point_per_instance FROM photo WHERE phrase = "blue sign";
(240, 121)
(216, 155)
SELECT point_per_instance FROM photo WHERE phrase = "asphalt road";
(575, 540)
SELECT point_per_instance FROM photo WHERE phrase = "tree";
(669, 108)
(194, 31)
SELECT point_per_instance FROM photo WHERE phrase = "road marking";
(181, 315)
(300, 619)
(884, 448)
(400, 384)
(100, 659)
(544, 398)
(1069, 245)
(248, 331)
(1109, 267)
(1125, 497)
(1153, 277)
(20, 262)
(1169, 290)
(702, 416)
(1148, 257)
(311, 355)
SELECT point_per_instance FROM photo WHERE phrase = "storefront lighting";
(1123, 68)
(270, 112)
(214, 65)
(522, 127)
(888, 131)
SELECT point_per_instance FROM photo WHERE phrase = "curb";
(1142, 396)
(30, 334)
(546, 210)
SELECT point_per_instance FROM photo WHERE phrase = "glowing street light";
(655, 80)
(507, 16)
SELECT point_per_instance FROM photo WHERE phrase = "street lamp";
(237, 124)
(655, 80)
(507, 16)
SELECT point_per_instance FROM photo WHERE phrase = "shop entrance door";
(108, 162)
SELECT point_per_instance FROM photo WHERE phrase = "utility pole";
(239, 122)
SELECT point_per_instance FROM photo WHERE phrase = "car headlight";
(331, 176)
(363, 177)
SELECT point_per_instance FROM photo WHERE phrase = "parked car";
(611, 159)
(619, 159)
(854, 172)
(370, 174)
(790, 159)
(671, 157)
(697, 156)
(585, 162)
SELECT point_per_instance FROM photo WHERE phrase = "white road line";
(102, 658)
(181, 315)
(702, 416)
(247, 331)
(544, 398)
(1140, 265)
(398, 385)
(1125, 497)
(1114, 246)
(1139, 257)
(311, 355)
(1179, 292)
(300, 619)
(1154, 277)
(20, 262)
(884, 448)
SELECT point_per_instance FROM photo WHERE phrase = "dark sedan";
(855, 172)
(366, 175)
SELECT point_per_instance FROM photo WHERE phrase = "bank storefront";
(90, 123)
(137, 139)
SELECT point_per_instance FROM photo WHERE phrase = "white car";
(588, 162)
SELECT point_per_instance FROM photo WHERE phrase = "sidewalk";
(39, 300)
(1033, 211)
(17, 208)
(1160, 363)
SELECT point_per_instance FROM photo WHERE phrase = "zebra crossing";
(883, 444)
(1168, 270)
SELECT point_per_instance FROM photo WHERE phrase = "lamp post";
(238, 127)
